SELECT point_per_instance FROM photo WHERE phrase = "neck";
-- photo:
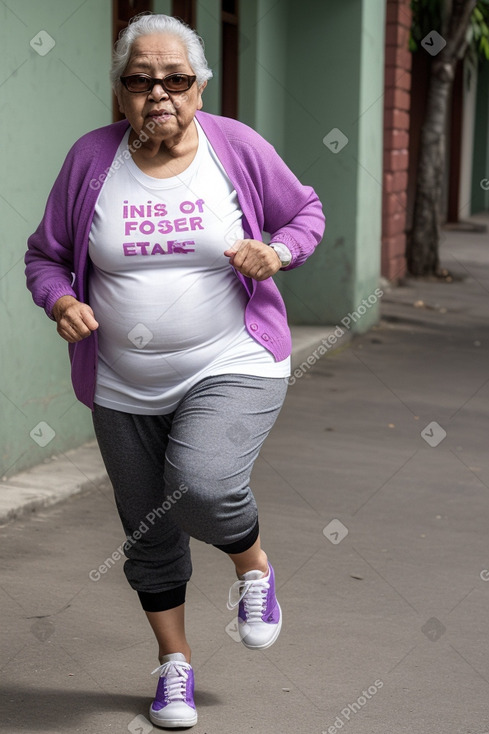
(175, 147)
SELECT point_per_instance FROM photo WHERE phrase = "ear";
(118, 94)
(200, 103)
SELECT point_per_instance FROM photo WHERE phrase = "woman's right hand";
(75, 319)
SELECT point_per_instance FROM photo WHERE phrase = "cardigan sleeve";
(57, 251)
(49, 257)
(292, 212)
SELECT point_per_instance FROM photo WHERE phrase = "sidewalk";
(373, 491)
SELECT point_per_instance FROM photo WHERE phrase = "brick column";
(397, 100)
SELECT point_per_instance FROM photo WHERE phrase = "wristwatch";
(283, 252)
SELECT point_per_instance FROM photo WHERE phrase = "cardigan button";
(253, 327)
(265, 337)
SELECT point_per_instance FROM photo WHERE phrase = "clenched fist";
(75, 320)
(254, 259)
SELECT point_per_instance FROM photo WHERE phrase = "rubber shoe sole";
(172, 723)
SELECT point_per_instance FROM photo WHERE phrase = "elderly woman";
(150, 259)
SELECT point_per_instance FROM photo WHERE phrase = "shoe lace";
(252, 593)
(176, 676)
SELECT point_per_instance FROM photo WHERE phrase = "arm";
(296, 240)
(303, 232)
(292, 212)
(292, 215)
(49, 257)
(49, 264)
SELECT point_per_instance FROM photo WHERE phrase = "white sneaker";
(259, 613)
(174, 705)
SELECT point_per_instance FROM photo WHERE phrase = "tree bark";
(422, 252)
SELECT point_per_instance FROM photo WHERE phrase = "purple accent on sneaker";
(271, 613)
(161, 700)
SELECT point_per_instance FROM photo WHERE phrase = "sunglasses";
(142, 83)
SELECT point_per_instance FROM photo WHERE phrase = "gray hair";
(143, 25)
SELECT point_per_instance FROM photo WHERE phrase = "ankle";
(260, 564)
(184, 649)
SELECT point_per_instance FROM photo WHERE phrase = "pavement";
(373, 490)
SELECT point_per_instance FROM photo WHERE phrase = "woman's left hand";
(254, 259)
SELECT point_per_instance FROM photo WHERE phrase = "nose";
(158, 92)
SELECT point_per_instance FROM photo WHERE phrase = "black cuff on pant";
(240, 546)
(162, 600)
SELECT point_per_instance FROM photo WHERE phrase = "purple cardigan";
(271, 197)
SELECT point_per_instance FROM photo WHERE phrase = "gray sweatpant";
(186, 474)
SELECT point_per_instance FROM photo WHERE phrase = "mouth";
(160, 116)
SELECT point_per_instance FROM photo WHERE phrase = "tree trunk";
(423, 243)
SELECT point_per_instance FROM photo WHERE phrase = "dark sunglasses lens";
(137, 83)
(177, 82)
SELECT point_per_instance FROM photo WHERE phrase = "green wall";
(47, 102)
(248, 68)
(263, 69)
(310, 68)
(370, 132)
(162, 6)
(335, 73)
(480, 167)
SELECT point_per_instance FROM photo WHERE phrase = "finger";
(234, 248)
(246, 258)
(249, 272)
(81, 320)
(89, 319)
(261, 274)
(74, 328)
(68, 334)
(258, 272)
(237, 258)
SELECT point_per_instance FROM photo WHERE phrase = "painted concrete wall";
(162, 6)
(53, 88)
(264, 69)
(333, 141)
(480, 164)
(369, 170)
(467, 142)
(248, 68)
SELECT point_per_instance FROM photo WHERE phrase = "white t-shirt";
(169, 305)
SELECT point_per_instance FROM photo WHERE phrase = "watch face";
(283, 253)
(284, 262)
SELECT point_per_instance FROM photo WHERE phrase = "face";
(169, 115)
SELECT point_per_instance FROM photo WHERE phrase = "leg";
(250, 560)
(259, 613)
(169, 629)
(216, 436)
(158, 566)
(173, 705)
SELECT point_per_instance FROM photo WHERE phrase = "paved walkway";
(374, 496)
